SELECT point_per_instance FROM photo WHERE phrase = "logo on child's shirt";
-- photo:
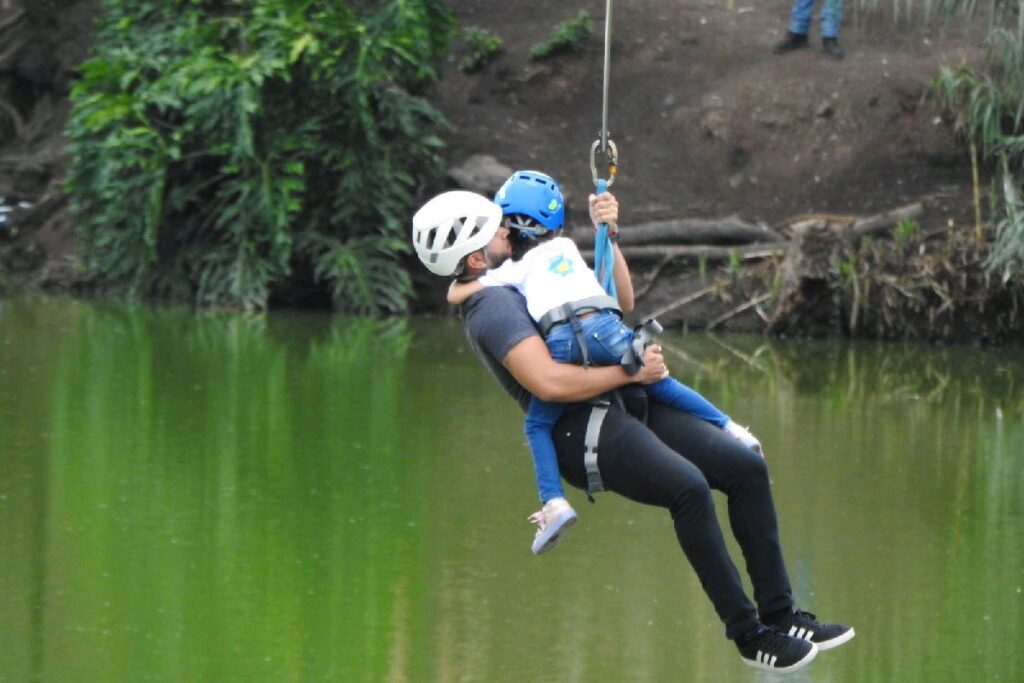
(559, 265)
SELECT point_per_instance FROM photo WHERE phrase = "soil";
(707, 121)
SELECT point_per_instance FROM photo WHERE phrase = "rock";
(715, 124)
(480, 173)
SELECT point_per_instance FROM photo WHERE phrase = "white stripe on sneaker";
(800, 632)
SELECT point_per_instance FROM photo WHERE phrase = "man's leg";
(742, 475)
(831, 18)
(635, 464)
(800, 17)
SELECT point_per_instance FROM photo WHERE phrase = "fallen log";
(709, 253)
(689, 231)
(883, 221)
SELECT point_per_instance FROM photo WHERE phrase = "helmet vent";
(481, 221)
(449, 239)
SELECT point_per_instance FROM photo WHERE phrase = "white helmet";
(451, 226)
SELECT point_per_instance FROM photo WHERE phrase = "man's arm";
(531, 364)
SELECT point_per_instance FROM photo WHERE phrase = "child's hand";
(604, 208)
(458, 292)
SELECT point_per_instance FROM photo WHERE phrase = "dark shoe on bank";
(800, 624)
(831, 48)
(792, 41)
(772, 650)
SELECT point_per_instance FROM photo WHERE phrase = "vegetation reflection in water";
(220, 497)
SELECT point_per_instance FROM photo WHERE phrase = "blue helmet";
(535, 196)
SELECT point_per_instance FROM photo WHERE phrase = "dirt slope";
(707, 120)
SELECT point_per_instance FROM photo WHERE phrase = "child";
(550, 272)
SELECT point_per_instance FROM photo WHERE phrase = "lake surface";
(195, 496)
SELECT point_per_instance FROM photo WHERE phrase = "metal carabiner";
(611, 154)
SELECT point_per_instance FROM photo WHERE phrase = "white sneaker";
(553, 520)
(743, 436)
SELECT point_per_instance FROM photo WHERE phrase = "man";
(646, 452)
(800, 22)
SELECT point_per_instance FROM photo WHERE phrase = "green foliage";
(989, 109)
(1007, 257)
(905, 231)
(735, 259)
(569, 36)
(221, 147)
(482, 46)
(847, 269)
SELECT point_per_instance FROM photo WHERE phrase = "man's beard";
(493, 259)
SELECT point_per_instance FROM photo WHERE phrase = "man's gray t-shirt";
(496, 320)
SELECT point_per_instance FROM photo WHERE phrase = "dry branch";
(680, 302)
(710, 253)
(736, 311)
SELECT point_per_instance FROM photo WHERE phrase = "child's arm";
(623, 281)
(458, 292)
(605, 209)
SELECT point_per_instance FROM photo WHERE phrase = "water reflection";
(224, 497)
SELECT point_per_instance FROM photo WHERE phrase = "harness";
(631, 362)
(570, 312)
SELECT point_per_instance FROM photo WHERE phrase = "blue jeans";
(831, 17)
(607, 340)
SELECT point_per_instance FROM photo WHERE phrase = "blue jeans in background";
(831, 17)
(607, 339)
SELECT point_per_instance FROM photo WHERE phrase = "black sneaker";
(800, 624)
(792, 41)
(831, 47)
(774, 651)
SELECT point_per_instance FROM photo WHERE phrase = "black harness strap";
(571, 310)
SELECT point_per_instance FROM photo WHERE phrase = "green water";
(296, 497)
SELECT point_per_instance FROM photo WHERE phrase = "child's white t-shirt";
(549, 275)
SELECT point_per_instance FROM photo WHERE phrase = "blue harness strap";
(604, 255)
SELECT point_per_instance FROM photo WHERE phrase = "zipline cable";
(604, 256)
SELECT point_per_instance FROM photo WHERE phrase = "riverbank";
(709, 124)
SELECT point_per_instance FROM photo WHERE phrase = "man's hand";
(653, 369)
